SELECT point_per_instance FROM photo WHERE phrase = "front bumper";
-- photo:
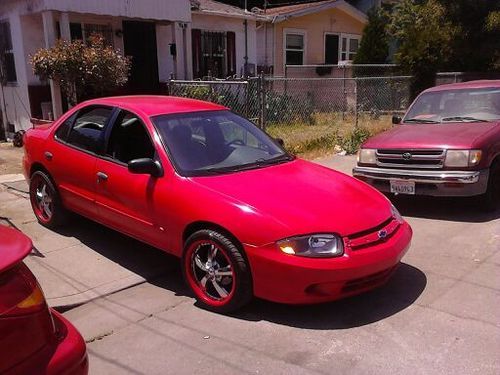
(427, 182)
(292, 279)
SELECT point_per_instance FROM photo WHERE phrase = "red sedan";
(198, 181)
(33, 338)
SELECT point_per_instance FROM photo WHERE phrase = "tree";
(424, 37)
(82, 70)
(374, 47)
(476, 45)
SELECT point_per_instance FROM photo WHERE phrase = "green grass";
(327, 131)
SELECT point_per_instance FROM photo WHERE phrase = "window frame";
(347, 52)
(74, 116)
(290, 31)
(10, 52)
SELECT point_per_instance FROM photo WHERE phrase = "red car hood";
(450, 135)
(14, 247)
(304, 197)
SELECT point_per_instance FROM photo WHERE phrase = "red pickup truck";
(447, 144)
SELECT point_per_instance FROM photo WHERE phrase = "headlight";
(367, 156)
(396, 215)
(462, 158)
(314, 245)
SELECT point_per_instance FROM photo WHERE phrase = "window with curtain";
(7, 63)
(294, 48)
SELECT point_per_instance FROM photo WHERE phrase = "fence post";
(247, 88)
(356, 106)
(344, 92)
(262, 86)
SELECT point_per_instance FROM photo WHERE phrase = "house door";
(139, 42)
(331, 49)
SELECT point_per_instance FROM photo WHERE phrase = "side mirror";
(396, 119)
(145, 166)
(280, 141)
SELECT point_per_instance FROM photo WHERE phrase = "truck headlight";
(462, 158)
(325, 245)
(367, 156)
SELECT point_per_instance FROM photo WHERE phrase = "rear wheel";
(216, 271)
(45, 200)
(490, 201)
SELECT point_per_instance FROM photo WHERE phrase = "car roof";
(153, 105)
(466, 85)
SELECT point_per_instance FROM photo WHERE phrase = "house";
(155, 33)
(324, 32)
(223, 40)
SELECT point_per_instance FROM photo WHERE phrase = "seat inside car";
(130, 141)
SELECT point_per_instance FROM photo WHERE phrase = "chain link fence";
(305, 112)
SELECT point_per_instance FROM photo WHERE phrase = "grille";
(368, 281)
(419, 159)
(373, 236)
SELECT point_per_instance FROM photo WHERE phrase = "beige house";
(324, 32)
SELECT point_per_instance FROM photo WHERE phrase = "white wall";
(164, 37)
(218, 23)
(265, 43)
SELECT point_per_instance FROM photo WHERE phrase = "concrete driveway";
(437, 315)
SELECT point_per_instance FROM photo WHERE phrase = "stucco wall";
(216, 23)
(315, 25)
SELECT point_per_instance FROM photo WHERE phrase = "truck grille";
(418, 159)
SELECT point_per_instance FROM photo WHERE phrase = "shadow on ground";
(152, 264)
(444, 208)
(401, 291)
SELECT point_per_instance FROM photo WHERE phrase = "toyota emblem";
(407, 156)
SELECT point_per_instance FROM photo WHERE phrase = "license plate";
(403, 187)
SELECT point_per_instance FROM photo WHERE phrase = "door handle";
(48, 155)
(101, 176)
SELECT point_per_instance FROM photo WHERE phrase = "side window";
(129, 139)
(62, 131)
(88, 129)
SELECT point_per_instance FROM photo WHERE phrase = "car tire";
(216, 271)
(490, 201)
(45, 201)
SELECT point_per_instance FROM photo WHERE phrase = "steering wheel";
(90, 125)
(238, 142)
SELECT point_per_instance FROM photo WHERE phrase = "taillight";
(20, 293)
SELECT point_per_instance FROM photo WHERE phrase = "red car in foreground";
(447, 144)
(34, 339)
(198, 181)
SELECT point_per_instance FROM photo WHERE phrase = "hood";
(459, 135)
(14, 247)
(304, 197)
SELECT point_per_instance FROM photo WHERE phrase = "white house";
(147, 30)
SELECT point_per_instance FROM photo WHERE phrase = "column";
(49, 31)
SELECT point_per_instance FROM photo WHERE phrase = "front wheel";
(216, 271)
(490, 201)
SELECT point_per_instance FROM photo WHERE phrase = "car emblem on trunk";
(382, 234)
(407, 156)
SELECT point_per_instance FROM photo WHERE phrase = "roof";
(467, 85)
(216, 8)
(283, 13)
(153, 105)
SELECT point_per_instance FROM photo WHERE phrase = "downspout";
(245, 69)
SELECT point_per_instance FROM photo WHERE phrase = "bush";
(80, 69)
(351, 142)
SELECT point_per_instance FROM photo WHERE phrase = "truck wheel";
(490, 201)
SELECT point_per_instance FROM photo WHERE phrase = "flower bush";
(82, 69)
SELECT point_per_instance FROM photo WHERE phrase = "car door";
(71, 158)
(126, 201)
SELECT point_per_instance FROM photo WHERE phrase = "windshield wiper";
(463, 118)
(421, 120)
(242, 167)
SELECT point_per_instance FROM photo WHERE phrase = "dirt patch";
(10, 158)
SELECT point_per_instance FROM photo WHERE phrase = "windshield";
(465, 105)
(215, 142)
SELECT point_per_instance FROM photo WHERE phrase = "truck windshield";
(464, 105)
